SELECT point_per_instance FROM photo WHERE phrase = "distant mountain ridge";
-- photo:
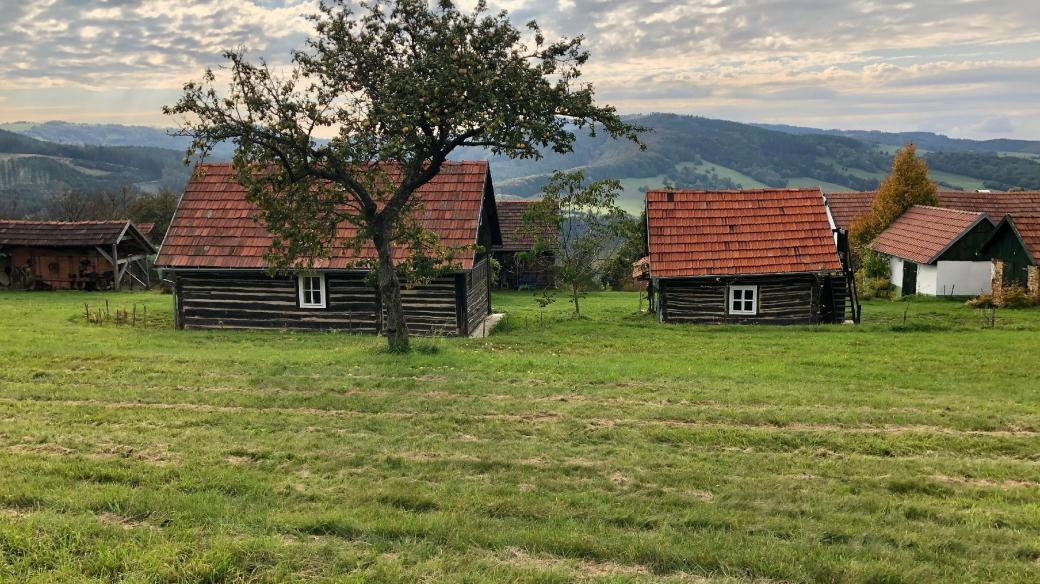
(924, 140)
(107, 135)
(682, 151)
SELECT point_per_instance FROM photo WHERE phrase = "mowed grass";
(608, 449)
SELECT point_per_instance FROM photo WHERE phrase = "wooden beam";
(105, 255)
(132, 258)
(117, 273)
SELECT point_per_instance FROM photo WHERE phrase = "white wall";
(964, 278)
(896, 265)
(927, 278)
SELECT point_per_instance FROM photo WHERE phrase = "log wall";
(432, 309)
(254, 300)
(781, 300)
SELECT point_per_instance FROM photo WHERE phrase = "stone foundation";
(1033, 283)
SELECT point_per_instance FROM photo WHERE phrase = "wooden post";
(116, 276)
(178, 304)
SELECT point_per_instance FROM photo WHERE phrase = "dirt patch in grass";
(986, 483)
(121, 521)
(155, 454)
(14, 512)
(41, 448)
(522, 559)
(440, 457)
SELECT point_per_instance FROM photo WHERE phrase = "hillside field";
(609, 449)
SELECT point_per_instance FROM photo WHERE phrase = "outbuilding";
(74, 255)
(766, 256)
(519, 268)
(214, 252)
(1014, 247)
(935, 251)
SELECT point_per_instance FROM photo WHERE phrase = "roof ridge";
(54, 222)
(973, 213)
(446, 162)
(729, 191)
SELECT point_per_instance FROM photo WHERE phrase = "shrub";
(873, 287)
(882, 287)
(876, 265)
(1013, 296)
(981, 301)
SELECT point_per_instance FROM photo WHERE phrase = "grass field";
(961, 181)
(611, 448)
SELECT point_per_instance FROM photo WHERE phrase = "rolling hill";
(31, 170)
(689, 151)
(684, 151)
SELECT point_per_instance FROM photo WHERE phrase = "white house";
(938, 252)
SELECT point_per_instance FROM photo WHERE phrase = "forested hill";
(924, 140)
(32, 170)
(694, 152)
(684, 151)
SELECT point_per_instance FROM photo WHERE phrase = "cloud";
(1001, 125)
(937, 64)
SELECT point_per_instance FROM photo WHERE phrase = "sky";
(965, 68)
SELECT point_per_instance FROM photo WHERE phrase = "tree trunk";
(390, 293)
(574, 295)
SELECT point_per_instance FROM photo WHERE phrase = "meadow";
(613, 448)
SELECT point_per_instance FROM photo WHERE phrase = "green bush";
(875, 265)
(870, 288)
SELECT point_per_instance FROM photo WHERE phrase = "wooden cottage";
(938, 252)
(1014, 248)
(750, 256)
(214, 252)
(74, 255)
(514, 274)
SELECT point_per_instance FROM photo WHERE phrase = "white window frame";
(730, 299)
(301, 278)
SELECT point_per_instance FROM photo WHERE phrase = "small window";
(312, 290)
(743, 299)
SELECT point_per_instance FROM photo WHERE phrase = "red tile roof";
(717, 233)
(511, 222)
(996, 205)
(214, 226)
(923, 233)
(63, 233)
(847, 207)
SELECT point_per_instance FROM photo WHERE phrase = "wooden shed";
(74, 255)
(514, 274)
(748, 256)
(214, 252)
(1014, 248)
(935, 251)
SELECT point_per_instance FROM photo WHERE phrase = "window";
(743, 299)
(312, 290)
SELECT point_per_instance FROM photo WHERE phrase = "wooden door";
(909, 278)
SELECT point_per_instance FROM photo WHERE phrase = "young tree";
(590, 225)
(618, 271)
(403, 84)
(906, 186)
